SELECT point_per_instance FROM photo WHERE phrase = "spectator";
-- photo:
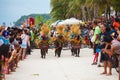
(25, 42)
(108, 40)
(96, 40)
(101, 56)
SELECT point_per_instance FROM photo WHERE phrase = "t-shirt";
(97, 31)
(101, 38)
(24, 38)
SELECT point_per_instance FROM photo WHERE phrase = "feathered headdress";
(45, 29)
(75, 29)
(60, 29)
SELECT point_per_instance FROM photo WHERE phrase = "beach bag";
(93, 39)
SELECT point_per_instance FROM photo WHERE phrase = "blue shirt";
(6, 41)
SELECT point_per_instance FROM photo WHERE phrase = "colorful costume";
(75, 40)
(44, 41)
(58, 43)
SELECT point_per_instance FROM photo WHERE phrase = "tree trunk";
(109, 12)
(96, 11)
(88, 13)
(83, 13)
(116, 13)
(106, 12)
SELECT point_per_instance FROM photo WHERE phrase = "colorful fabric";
(72, 36)
(32, 35)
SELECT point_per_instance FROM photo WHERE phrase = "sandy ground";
(66, 67)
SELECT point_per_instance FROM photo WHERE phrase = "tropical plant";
(82, 9)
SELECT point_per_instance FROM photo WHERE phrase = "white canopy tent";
(56, 23)
(70, 21)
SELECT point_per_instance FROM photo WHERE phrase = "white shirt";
(24, 38)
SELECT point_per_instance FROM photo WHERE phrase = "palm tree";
(59, 9)
(115, 4)
(101, 5)
(82, 9)
(76, 8)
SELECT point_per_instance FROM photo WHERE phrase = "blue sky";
(12, 10)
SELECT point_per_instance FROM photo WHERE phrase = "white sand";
(66, 67)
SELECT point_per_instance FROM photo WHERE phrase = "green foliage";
(38, 17)
(116, 4)
(62, 9)
(59, 9)
(19, 21)
(49, 21)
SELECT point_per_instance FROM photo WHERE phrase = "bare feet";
(109, 74)
(103, 73)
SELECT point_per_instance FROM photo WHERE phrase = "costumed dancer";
(75, 40)
(67, 37)
(58, 43)
(44, 40)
